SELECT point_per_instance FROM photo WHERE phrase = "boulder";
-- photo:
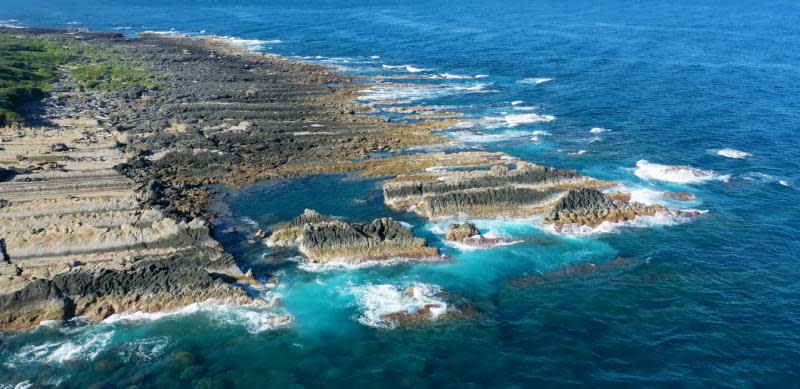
(459, 232)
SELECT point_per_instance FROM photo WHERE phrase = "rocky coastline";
(324, 239)
(104, 191)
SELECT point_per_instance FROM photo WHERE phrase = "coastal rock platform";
(324, 239)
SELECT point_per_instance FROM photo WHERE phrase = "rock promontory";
(590, 207)
(505, 186)
(323, 239)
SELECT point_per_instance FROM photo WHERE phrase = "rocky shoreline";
(324, 239)
(104, 192)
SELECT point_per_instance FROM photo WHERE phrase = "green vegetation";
(28, 66)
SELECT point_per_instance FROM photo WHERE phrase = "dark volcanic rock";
(323, 239)
(525, 190)
(458, 232)
(590, 207)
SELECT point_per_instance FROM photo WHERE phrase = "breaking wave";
(374, 302)
(678, 174)
(255, 317)
(733, 153)
(660, 219)
(535, 80)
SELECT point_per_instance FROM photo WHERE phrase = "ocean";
(699, 97)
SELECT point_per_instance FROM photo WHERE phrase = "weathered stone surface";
(469, 235)
(324, 239)
(459, 232)
(497, 189)
(590, 207)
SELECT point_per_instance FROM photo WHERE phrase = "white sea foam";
(145, 349)
(597, 130)
(647, 196)
(249, 44)
(517, 102)
(538, 134)
(399, 93)
(375, 56)
(10, 23)
(508, 228)
(579, 152)
(376, 301)
(763, 178)
(678, 174)
(733, 153)
(481, 137)
(535, 80)
(514, 120)
(451, 76)
(339, 265)
(85, 347)
(408, 68)
(250, 222)
(660, 219)
(255, 317)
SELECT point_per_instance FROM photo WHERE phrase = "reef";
(590, 207)
(469, 235)
(323, 239)
(502, 186)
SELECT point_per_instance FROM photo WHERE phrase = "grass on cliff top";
(29, 66)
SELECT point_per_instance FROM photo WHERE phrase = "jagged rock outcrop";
(459, 232)
(469, 235)
(155, 284)
(590, 207)
(508, 187)
(321, 238)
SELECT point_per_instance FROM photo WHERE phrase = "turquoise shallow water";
(712, 302)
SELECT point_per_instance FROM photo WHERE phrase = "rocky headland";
(324, 239)
(104, 185)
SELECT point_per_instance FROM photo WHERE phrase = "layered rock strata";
(511, 188)
(590, 207)
(324, 239)
(77, 239)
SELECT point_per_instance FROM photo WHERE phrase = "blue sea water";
(710, 302)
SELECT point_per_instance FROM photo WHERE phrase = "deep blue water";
(711, 302)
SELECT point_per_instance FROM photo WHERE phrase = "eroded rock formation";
(590, 207)
(321, 238)
(469, 235)
(504, 187)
